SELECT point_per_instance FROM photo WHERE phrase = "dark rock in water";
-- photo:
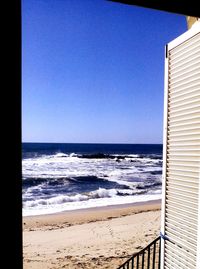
(103, 156)
(156, 173)
(140, 187)
(121, 157)
(97, 156)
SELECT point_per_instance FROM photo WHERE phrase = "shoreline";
(90, 238)
(80, 216)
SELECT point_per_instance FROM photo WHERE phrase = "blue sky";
(93, 71)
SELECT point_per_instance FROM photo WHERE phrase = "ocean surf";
(58, 177)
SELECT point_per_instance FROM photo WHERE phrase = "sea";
(58, 177)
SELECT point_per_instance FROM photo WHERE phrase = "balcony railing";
(147, 258)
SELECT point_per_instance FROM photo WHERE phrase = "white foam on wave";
(60, 154)
(61, 165)
(42, 209)
(62, 199)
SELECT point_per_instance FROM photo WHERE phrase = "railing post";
(149, 253)
(138, 261)
(159, 257)
(154, 255)
(132, 263)
(143, 259)
(145, 263)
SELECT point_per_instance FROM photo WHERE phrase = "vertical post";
(154, 255)
(13, 126)
(132, 263)
(165, 124)
(143, 254)
(138, 261)
(159, 255)
(149, 255)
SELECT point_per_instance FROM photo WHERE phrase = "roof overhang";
(189, 8)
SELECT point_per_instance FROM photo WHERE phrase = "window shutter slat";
(182, 154)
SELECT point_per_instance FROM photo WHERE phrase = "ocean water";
(58, 177)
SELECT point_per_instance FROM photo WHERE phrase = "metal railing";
(147, 258)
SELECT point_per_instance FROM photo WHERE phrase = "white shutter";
(181, 165)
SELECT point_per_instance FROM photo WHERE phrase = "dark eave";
(187, 8)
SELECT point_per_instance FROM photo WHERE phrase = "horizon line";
(114, 143)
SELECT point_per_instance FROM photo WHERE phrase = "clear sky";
(93, 71)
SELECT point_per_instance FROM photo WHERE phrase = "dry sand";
(94, 238)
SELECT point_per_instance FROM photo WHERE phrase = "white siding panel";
(182, 155)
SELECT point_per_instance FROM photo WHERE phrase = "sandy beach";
(101, 237)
